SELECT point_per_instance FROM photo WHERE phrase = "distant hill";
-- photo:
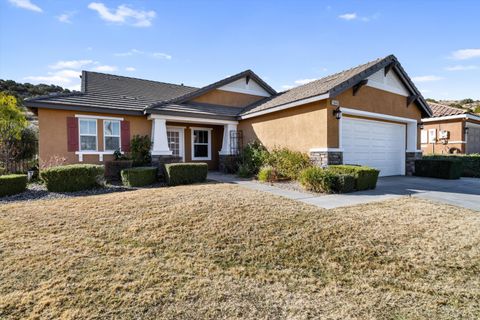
(466, 104)
(27, 90)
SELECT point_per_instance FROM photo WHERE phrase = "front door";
(176, 141)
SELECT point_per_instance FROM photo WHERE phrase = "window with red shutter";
(72, 134)
(125, 136)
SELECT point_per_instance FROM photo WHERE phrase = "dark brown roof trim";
(192, 114)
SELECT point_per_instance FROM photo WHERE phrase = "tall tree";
(12, 124)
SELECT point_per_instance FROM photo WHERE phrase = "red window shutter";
(72, 134)
(125, 125)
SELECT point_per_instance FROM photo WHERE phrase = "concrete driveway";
(463, 193)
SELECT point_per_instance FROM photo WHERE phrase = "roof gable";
(246, 86)
(229, 83)
(333, 85)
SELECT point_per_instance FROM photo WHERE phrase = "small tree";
(12, 123)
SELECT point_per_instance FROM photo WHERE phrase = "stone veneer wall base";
(410, 158)
(325, 158)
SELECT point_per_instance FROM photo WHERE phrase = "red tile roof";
(441, 110)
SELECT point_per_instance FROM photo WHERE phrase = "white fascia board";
(286, 106)
(374, 115)
(459, 116)
(190, 119)
(97, 117)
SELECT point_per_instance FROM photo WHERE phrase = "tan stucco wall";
(300, 128)
(314, 125)
(217, 137)
(53, 133)
(455, 127)
(227, 98)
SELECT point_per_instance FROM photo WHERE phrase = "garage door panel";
(376, 144)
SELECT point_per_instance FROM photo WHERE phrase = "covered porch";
(192, 139)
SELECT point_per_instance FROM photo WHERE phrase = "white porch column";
(159, 138)
(226, 147)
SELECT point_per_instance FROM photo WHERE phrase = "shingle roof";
(441, 110)
(198, 109)
(333, 84)
(114, 92)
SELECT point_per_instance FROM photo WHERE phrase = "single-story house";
(450, 130)
(368, 115)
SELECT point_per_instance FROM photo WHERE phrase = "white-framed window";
(176, 143)
(111, 135)
(424, 136)
(88, 134)
(201, 143)
(432, 135)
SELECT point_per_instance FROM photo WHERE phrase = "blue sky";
(198, 42)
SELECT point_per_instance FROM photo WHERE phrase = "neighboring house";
(366, 115)
(450, 130)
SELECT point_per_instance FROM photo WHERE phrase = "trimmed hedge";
(185, 173)
(74, 177)
(113, 169)
(12, 184)
(344, 183)
(439, 168)
(471, 163)
(365, 177)
(139, 176)
(318, 179)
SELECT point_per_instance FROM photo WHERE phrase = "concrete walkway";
(464, 192)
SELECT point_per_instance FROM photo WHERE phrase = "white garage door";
(376, 144)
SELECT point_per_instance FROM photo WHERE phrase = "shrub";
(267, 174)
(439, 168)
(75, 177)
(12, 184)
(252, 159)
(114, 167)
(140, 150)
(139, 176)
(185, 173)
(344, 183)
(318, 180)
(3, 171)
(288, 164)
(365, 177)
(471, 163)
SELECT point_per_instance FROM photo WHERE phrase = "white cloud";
(26, 4)
(465, 54)
(161, 55)
(426, 78)
(71, 64)
(132, 52)
(304, 81)
(66, 78)
(130, 69)
(348, 16)
(65, 17)
(124, 14)
(287, 87)
(106, 68)
(129, 53)
(461, 68)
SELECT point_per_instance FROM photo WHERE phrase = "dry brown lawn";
(221, 251)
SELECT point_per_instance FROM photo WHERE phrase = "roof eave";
(71, 107)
